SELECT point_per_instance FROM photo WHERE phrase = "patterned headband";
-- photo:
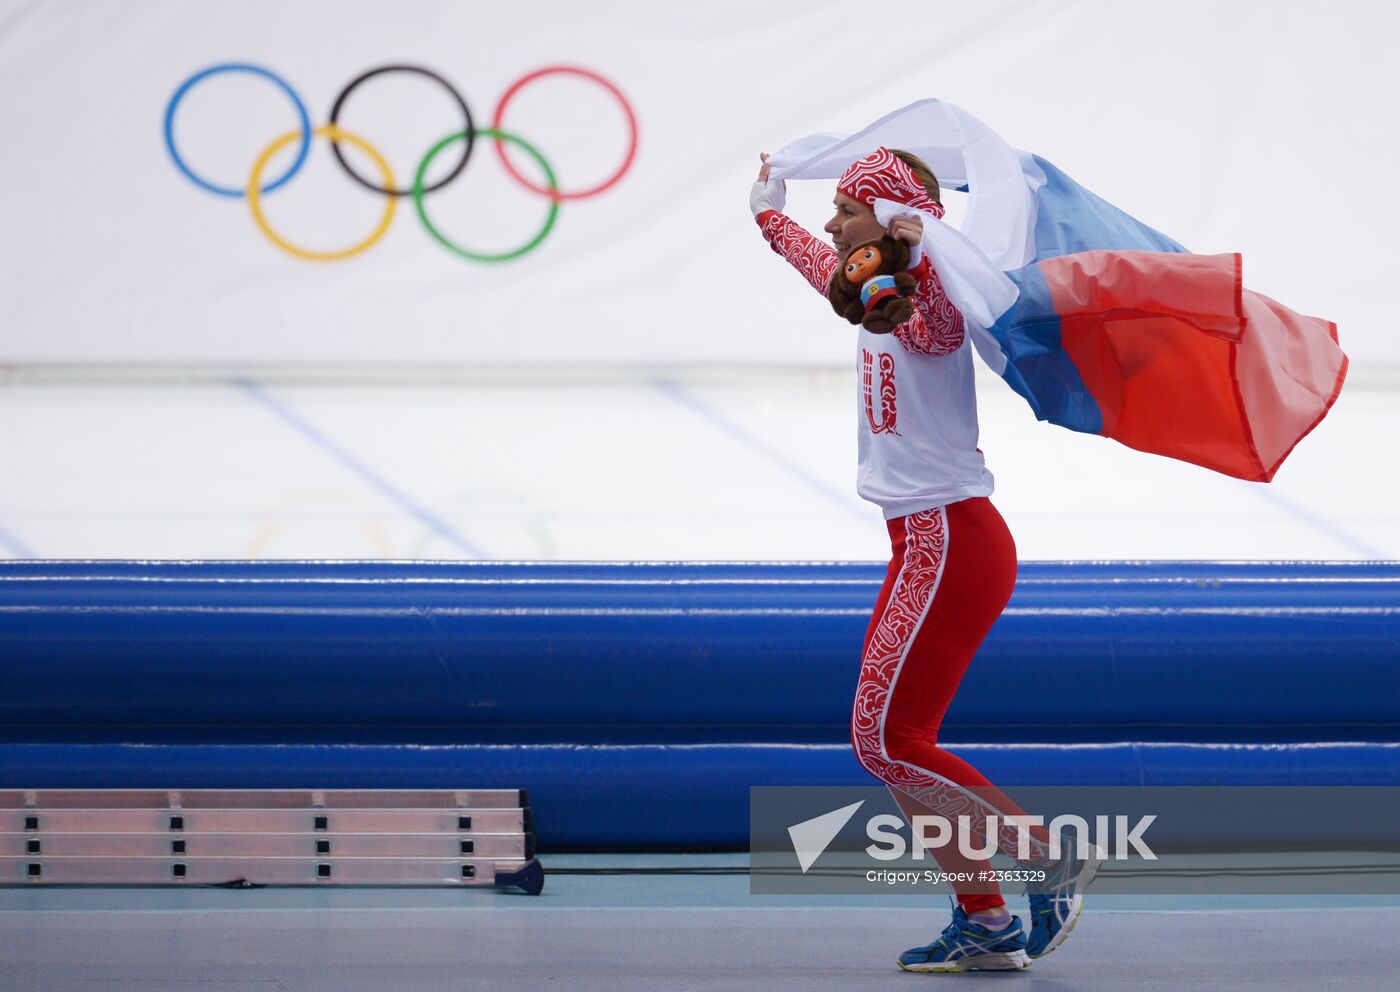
(883, 175)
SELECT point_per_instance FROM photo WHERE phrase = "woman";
(952, 566)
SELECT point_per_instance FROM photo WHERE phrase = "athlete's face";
(852, 224)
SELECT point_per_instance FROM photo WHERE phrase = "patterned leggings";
(950, 575)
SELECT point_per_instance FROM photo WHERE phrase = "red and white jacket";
(917, 408)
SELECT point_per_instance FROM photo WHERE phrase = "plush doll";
(872, 287)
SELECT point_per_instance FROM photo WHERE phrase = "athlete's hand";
(765, 168)
(767, 194)
(908, 229)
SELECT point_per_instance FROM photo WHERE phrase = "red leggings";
(950, 575)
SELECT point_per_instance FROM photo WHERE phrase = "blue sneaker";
(1057, 902)
(967, 946)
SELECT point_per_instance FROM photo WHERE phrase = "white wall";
(1263, 127)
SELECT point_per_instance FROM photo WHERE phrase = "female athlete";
(951, 571)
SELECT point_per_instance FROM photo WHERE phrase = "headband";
(882, 175)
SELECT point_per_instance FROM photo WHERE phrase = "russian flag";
(1101, 323)
(1119, 331)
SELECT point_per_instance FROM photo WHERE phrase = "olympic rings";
(254, 190)
(335, 134)
(418, 191)
(586, 74)
(257, 70)
(466, 152)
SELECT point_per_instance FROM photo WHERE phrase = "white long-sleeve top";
(917, 405)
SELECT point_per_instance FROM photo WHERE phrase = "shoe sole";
(1076, 906)
(1013, 961)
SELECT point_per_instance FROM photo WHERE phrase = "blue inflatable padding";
(638, 702)
(689, 796)
(598, 653)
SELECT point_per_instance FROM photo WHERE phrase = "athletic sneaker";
(1057, 902)
(968, 946)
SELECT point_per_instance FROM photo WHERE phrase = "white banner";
(1245, 126)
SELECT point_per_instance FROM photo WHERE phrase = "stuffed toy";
(873, 287)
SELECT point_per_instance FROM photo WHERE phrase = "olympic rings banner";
(255, 188)
(440, 183)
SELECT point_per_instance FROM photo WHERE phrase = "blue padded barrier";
(1165, 651)
(661, 796)
(637, 702)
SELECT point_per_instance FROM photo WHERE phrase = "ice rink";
(721, 464)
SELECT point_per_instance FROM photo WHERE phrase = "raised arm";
(816, 260)
(936, 327)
